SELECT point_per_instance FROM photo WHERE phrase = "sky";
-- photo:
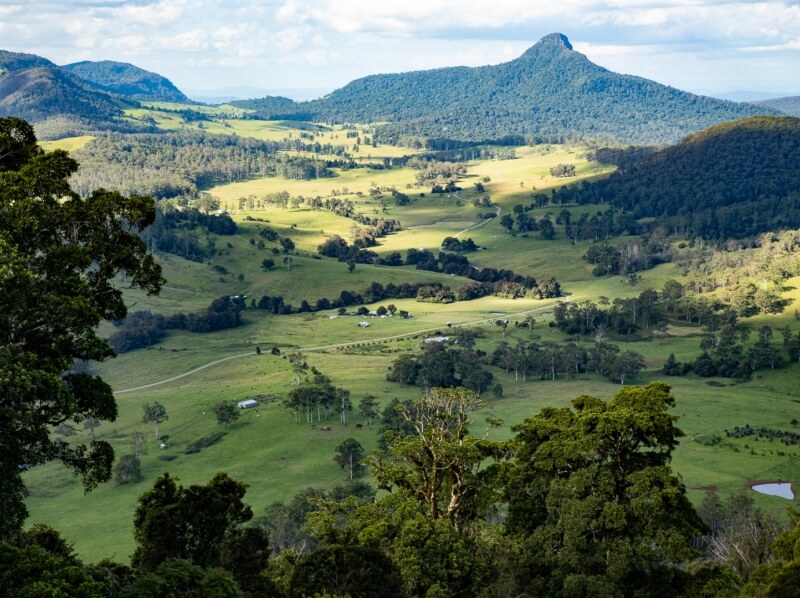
(704, 46)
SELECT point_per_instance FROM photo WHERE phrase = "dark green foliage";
(345, 570)
(38, 562)
(144, 328)
(39, 93)
(127, 80)
(454, 244)
(172, 522)
(173, 164)
(780, 579)
(226, 413)
(181, 578)
(206, 441)
(729, 181)
(349, 456)
(442, 367)
(549, 93)
(127, 470)
(593, 484)
(59, 256)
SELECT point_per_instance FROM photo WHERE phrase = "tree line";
(144, 328)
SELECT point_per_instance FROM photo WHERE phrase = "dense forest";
(172, 164)
(733, 180)
(128, 81)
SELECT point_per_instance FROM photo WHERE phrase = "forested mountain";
(15, 61)
(127, 80)
(33, 88)
(790, 105)
(549, 93)
(41, 92)
(735, 180)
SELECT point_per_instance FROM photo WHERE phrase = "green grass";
(69, 144)
(276, 457)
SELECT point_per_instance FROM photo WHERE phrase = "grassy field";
(69, 144)
(276, 457)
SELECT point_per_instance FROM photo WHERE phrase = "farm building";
(247, 404)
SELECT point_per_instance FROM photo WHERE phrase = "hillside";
(790, 105)
(550, 93)
(732, 180)
(15, 61)
(127, 80)
(38, 93)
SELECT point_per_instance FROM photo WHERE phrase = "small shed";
(247, 404)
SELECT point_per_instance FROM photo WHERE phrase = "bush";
(128, 470)
(205, 442)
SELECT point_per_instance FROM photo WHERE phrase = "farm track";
(328, 347)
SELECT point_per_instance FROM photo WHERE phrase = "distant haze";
(297, 44)
(229, 94)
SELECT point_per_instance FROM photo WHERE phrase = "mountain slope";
(736, 179)
(790, 105)
(550, 92)
(38, 93)
(15, 61)
(127, 80)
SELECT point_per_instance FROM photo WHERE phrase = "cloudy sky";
(707, 46)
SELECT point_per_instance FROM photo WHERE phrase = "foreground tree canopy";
(59, 258)
(580, 502)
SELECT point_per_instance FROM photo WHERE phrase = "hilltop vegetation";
(127, 81)
(41, 93)
(733, 180)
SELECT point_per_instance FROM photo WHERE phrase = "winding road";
(327, 347)
(478, 224)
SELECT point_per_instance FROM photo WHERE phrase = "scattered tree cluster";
(144, 328)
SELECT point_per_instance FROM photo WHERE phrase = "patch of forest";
(733, 180)
(172, 164)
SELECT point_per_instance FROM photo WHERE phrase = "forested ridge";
(550, 93)
(127, 80)
(41, 92)
(733, 180)
(789, 105)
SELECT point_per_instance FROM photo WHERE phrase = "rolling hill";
(550, 93)
(732, 180)
(128, 81)
(790, 105)
(41, 92)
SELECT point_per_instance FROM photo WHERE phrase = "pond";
(782, 489)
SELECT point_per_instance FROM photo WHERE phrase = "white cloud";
(289, 39)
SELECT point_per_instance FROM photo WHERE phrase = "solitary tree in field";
(226, 412)
(154, 414)
(349, 455)
(368, 408)
(91, 424)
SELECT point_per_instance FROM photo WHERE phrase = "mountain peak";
(556, 39)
